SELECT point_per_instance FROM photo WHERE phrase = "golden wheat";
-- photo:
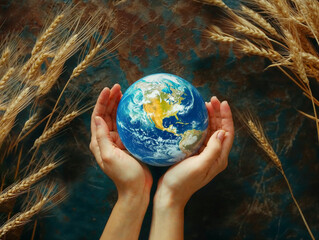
(48, 32)
(5, 56)
(85, 63)
(23, 217)
(26, 183)
(55, 128)
(263, 142)
(257, 18)
(6, 77)
(251, 49)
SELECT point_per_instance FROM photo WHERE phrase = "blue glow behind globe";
(162, 119)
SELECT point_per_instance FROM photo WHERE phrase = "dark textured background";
(249, 200)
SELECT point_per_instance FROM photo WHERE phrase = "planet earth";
(162, 119)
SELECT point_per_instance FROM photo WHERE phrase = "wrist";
(165, 199)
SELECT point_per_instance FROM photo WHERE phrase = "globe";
(162, 119)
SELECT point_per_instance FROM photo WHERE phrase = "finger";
(103, 139)
(99, 108)
(228, 127)
(113, 117)
(217, 117)
(213, 149)
(94, 147)
(115, 92)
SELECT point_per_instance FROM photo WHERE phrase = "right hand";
(131, 177)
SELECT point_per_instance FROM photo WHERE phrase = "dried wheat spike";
(263, 142)
(251, 49)
(5, 56)
(39, 44)
(26, 183)
(85, 63)
(217, 3)
(6, 77)
(29, 123)
(221, 38)
(257, 18)
(23, 217)
(295, 52)
(55, 128)
(41, 57)
(251, 31)
(310, 59)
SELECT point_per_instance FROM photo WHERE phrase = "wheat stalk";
(262, 141)
(55, 128)
(26, 183)
(6, 77)
(48, 33)
(5, 56)
(23, 217)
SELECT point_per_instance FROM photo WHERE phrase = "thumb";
(214, 146)
(103, 138)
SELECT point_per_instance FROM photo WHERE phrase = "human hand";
(183, 179)
(131, 178)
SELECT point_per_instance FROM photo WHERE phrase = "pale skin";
(174, 188)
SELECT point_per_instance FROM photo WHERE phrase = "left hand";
(183, 179)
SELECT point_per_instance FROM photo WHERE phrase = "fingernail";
(221, 135)
(97, 121)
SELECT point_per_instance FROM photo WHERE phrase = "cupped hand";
(183, 179)
(130, 176)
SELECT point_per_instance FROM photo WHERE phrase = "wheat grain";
(257, 18)
(5, 56)
(26, 183)
(263, 142)
(85, 63)
(6, 77)
(48, 33)
(23, 217)
(55, 128)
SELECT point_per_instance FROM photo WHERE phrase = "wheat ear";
(23, 217)
(48, 33)
(55, 67)
(26, 183)
(5, 56)
(261, 139)
(55, 128)
(251, 49)
(85, 63)
(263, 142)
(6, 77)
(41, 57)
(29, 123)
(257, 18)
(217, 3)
